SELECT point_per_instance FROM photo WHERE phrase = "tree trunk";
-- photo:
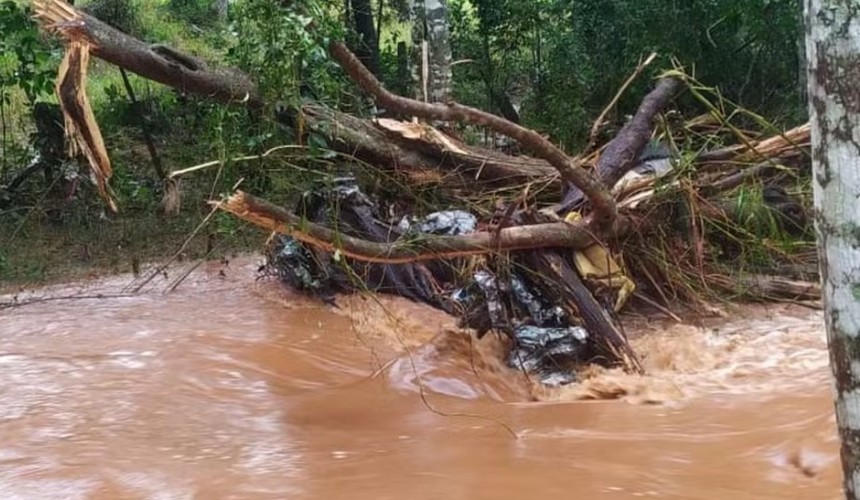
(138, 111)
(622, 153)
(221, 9)
(833, 55)
(382, 143)
(432, 49)
(402, 83)
(801, 59)
(416, 150)
(419, 51)
(438, 36)
(367, 45)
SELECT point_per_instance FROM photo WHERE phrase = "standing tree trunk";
(833, 56)
(801, 58)
(498, 97)
(221, 10)
(138, 111)
(432, 48)
(402, 82)
(367, 45)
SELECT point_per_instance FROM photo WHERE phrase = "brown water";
(231, 388)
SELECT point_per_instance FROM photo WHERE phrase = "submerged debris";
(545, 343)
(341, 204)
(551, 353)
(297, 267)
(492, 300)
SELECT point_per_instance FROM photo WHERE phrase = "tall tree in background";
(504, 27)
(833, 55)
(221, 8)
(432, 50)
(367, 45)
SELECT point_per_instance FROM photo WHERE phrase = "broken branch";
(623, 151)
(426, 247)
(168, 67)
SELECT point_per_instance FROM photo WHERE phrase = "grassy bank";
(46, 236)
(37, 251)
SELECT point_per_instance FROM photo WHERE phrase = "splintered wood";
(82, 130)
(83, 135)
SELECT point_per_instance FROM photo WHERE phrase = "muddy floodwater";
(232, 388)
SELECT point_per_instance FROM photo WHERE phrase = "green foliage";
(197, 12)
(123, 15)
(563, 61)
(749, 50)
(25, 60)
(284, 48)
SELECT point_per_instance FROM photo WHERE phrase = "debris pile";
(545, 343)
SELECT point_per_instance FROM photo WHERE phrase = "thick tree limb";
(790, 143)
(569, 169)
(403, 146)
(622, 152)
(155, 62)
(181, 71)
(776, 287)
(427, 247)
(736, 179)
(351, 136)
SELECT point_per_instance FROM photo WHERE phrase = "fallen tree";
(274, 218)
(582, 223)
(417, 147)
(156, 62)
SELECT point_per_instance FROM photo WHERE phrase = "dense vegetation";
(551, 65)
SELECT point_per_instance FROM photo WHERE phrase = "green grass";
(36, 250)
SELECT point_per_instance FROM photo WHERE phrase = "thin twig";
(182, 248)
(38, 300)
(214, 163)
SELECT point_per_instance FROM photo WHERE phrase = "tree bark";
(402, 80)
(138, 112)
(222, 8)
(801, 58)
(833, 55)
(622, 153)
(439, 44)
(409, 147)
